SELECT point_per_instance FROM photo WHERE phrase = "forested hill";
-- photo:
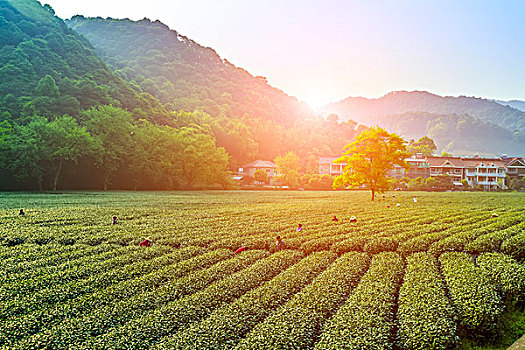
(459, 125)
(360, 108)
(48, 69)
(183, 74)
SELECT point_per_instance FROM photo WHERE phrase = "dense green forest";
(178, 117)
(462, 125)
(48, 69)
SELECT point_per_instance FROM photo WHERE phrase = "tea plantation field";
(442, 273)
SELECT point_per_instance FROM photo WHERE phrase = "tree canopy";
(369, 159)
(424, 145)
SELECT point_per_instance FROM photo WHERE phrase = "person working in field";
(415, 199)
(145, 243)
(239, 250)
(335, 219)
(279, 245)
(299, 228)
(353, 219)
(114, 220)
(21, 213)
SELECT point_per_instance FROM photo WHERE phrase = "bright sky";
(324, 51)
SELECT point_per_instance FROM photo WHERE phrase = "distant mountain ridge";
(360, 108)
(520, 105)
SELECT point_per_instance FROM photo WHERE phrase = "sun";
(316, 100)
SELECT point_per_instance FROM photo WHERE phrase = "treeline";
(52, 85)
(108, 148)
(251, 119)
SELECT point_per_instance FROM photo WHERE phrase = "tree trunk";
(373, 194)
(170, 182)
(57, 176)
(106, 182)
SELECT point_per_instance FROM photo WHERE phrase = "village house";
(250, 169)
(328, 167)
(515, 166)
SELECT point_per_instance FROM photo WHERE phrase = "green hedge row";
(475, 298)
(122, 268)
(491, 242)
(102, 301)
(297, 324)
(515, 246)
(101, 320)
(146, 330)
(32, 281)
(366, 320)
(426, 318)
(507, 274)
(458, 241)
(226, 326)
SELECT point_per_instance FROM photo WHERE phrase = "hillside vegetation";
(48, 69)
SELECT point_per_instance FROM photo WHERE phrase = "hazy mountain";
(520, 105)
(461, 125)
(184, 74)
(46, 68)
(360, 108)
(460, 134)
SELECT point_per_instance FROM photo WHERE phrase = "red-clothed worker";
(145, 243)
(240, 250)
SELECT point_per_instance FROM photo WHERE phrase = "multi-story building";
(486, 172)
(328, 167)
(452, 166)
(419, 167)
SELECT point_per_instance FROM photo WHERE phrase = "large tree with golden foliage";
(369, 159)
